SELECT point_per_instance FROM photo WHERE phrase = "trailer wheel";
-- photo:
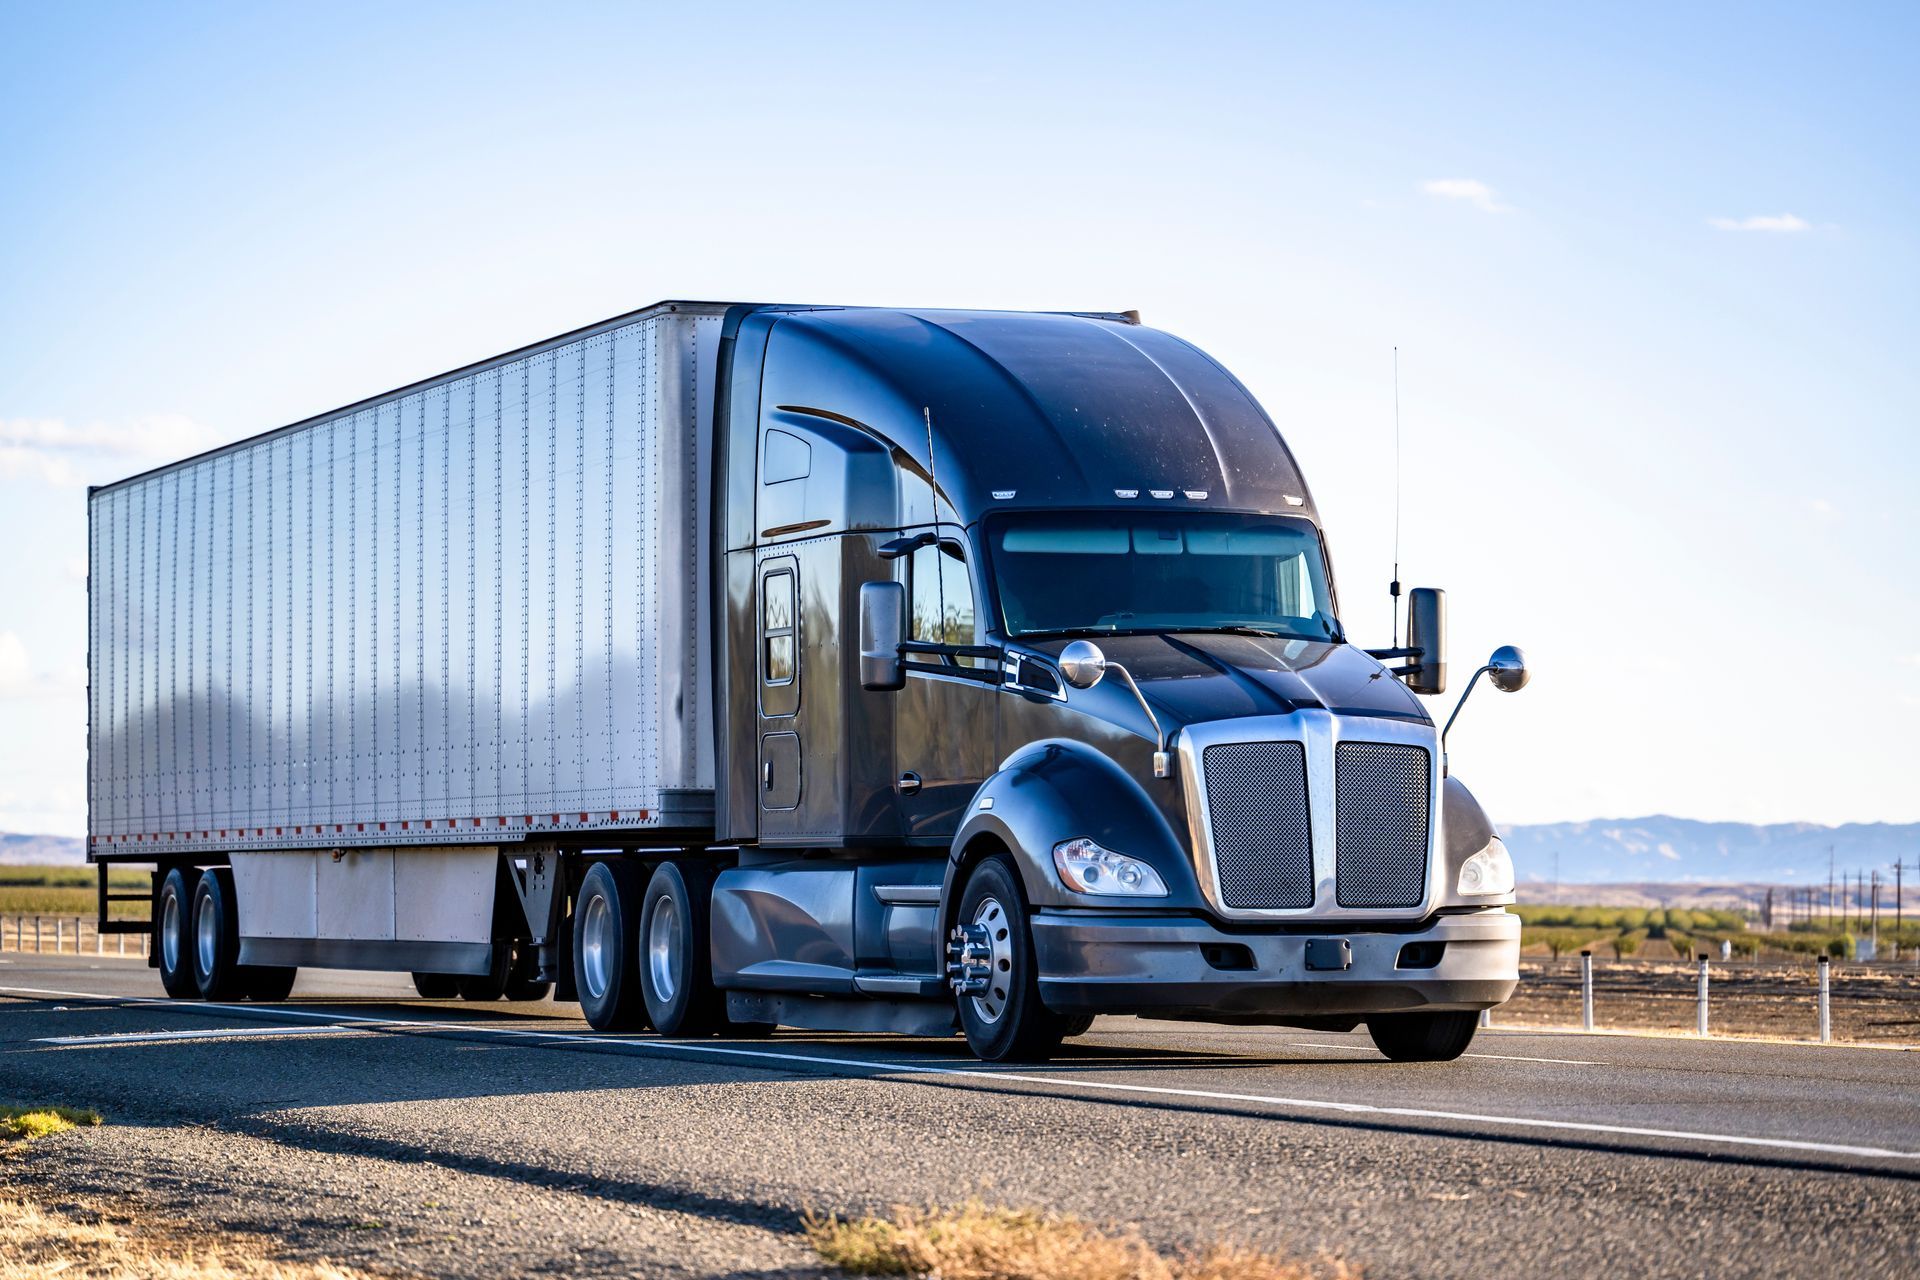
(522, 982)
(1423, 1037)
(216, 937)
(437, 986)
(491, 985)
(606, 947)
(676, 967)
(173, 932)
(1005, 1020)
(1077, 1025)
(269, 984)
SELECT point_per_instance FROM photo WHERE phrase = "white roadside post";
(59, 935)
(1826, 1014)
(1586, 990)
(1702, 999)
(37, 948)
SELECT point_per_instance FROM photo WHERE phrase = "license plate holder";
(1329, 955)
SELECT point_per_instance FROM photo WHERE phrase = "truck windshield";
(1082, 573)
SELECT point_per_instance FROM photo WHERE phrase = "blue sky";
(1653, 275)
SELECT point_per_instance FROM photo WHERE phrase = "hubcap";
(206, 932)
(663, 948)
(990, 1004)
(170, 933)
(596, 946)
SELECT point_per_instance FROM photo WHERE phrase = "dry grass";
(27, 1123)
(36, 1244)
(980, 1243)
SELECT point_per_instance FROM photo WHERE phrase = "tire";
(676, 966)
(522, 985)
(606, 947)
(437, 986)
(173, 932)
(1008, 1023)
(1424, 1037)
(269, 984)
(216, 938)
(1076, 1025)
(483, 988)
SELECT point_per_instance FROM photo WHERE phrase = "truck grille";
(1262, 843)
(1381, 833)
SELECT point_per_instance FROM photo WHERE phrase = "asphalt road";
(459, 1140)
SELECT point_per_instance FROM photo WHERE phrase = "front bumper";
(1161, 965)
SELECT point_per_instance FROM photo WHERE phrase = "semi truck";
(725, 667)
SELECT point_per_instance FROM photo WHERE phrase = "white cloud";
(1909, 660)
(19, 680)
(16, 668)
(66, 455)
(1762, 222)
(1471, 190)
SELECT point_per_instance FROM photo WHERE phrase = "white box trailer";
(464, 613)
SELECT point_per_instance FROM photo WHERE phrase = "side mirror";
(1427, 632)
(1507, 669)
(883, 625)
(1082, 663)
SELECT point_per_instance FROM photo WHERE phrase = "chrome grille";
(1381, 833)
(1262, 841)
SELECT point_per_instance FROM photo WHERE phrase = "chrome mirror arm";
(1162, 762)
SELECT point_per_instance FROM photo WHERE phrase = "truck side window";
(779, 628)
(942, 596)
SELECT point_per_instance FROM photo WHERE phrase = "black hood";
(1193, 677)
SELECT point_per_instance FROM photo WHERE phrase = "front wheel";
(1001, 1011)
(1423, 1037)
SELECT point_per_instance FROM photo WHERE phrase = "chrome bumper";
(1172, 966)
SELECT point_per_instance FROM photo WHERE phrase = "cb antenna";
(1393, 588)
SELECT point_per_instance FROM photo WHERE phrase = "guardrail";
(74, 935)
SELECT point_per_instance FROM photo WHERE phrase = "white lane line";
(211, 1033)
(1070, 1085)
(1504, 1057)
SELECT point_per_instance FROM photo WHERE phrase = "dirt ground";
(1877, 1003)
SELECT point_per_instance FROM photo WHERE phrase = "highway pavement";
(361, 1124)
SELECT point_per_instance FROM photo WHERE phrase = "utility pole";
(1876, 912)
(1829, 887)
(1899, 910)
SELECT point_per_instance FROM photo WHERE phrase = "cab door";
(944, 731)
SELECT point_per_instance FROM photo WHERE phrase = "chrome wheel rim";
(990, 1005)
(206, 932)
(663, 947)
(596, 946)
(170, 933)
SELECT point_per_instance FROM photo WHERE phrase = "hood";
(1194, 677)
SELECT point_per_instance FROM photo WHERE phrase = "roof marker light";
(1161, 493)
(1196, 495)
(1293, 500)
(1001, 495)
(1126, 493)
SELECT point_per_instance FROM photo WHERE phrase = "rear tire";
(1008, 1022)
(606, 946)
(437, 986)
(269, 984)
(522, 985)
(216, 938)
(1423, 1037)
(676, 966)
(484, 988)
(173, 932)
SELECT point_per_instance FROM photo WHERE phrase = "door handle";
(766, 775)
(909, 783)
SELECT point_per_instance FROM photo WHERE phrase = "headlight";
(1487, 872)
(1087, 868)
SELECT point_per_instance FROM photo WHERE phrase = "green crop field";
(1620, 931)
(66, 891)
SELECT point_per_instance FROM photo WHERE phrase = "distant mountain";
(57, 851)
(1682, 850)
